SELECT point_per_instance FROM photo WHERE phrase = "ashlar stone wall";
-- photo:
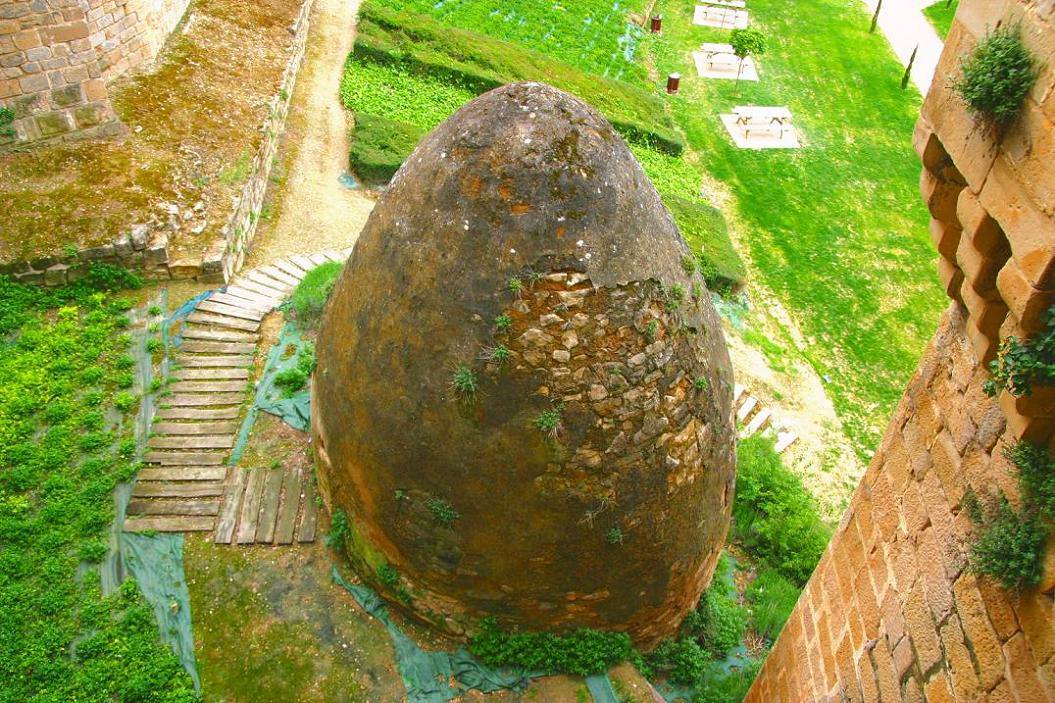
(56, 57)
(891, 612)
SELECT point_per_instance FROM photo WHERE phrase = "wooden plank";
(334, 255)
(266, 292)
(247, 520)
(191, 428)
(208, 335)
(256, 304)
(169, 524)
(243, 311)
(184, 399)
(184, 458)
(308, 515)
(207, 386)
(182, 473)
(303, 262)
(191, 413)
(190, 489)
(173, 507)
(265, 529)
(212, 373)
(278, 274)
(280, 288)
(207, 347)
(288, 266)
(317, 260)
(232, 505)
(263, 301)
(208, 318)
(288, 507)
(236, 361)
(192, 442)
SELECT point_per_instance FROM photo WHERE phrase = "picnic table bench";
(720, 54)
(768, 119)
(737, 4)
(719, 16)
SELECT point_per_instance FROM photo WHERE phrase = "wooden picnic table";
(738, 4)
(750, 116)
(719, 54)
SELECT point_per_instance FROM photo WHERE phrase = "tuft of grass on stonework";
(836, 229)
(310, 296)
(996, 76)
(940, 15)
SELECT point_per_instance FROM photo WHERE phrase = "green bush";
(582, 652)
(480, 63)
(7, 118)
(705, 230)
(311, 294)
(1019, 364)
(774, 516)
(290, 381)
(772, 598)
(683, 660)
(998, 75)
(718, 621)
(380, 146)
(1008, 545)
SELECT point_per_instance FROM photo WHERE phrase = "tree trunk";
(739, 70)
(875, 17)
(908, 69)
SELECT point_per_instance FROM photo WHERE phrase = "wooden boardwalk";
(189, 486)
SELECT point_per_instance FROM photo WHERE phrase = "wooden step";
(192, 442)
(173, 507)
(212, 335)
(336, 256)
(250, 513)
(279, 282)
(243, 312)
(182, 473)
(317, 259)
(208, 318)
(264, 302)
(235, 361)
(229, 348)
(192, 413)
(207, 386)
(279, 275)
(169, 524)
(274, 295)
(303, 262)
(190, 489)
(288, 266)
(194, 428)
(185, 458)
(211, 374)
(240, 301)
(232, 505)
(204, 399)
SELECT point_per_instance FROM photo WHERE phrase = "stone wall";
(891, 613)
(56, 57)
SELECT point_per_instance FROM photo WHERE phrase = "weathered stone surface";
(527, 183)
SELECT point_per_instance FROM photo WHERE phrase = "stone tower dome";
(522, 400)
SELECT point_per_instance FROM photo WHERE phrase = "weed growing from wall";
(1020, 365)
(996, 78)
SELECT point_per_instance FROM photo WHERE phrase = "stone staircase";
(188, 485)
(753, 418)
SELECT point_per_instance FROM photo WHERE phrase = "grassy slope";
(940, 15)
(837, 229)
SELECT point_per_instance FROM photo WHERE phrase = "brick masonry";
(57, 56)
(891, 613)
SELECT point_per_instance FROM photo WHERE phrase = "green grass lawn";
(940, 15)
(65, 442)
(836, 229)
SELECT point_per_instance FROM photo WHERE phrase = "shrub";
(998, 75)
(7, 119)
(290, 381)
(442, 511)
(1019, 365)
(464, 381)
(718, 621)
(582, 652)
(683, 660)
(772, 598)
(340, 530)
(705, 230)
(1008, 544)
(379, 147)
(310, 295)
(773, 515)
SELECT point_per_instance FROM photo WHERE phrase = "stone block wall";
(891, 612)
(56, 57)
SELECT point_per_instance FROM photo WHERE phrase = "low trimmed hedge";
(483, 63)
(707, 234)
(379, 146)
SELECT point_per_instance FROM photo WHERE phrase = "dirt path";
(905, 27)
(311, 210)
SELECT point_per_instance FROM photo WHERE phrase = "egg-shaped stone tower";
(523, 399)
